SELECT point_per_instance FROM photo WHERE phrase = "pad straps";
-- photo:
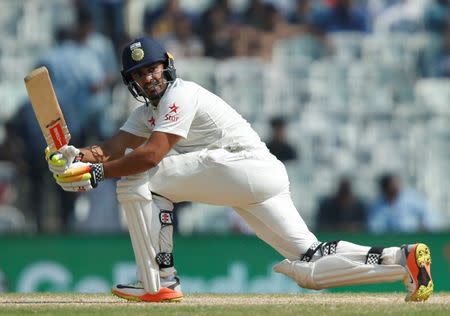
(326, 248)
(311, 251)
(329, 248)
(374, 255)
(165, 258)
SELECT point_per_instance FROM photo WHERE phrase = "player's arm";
(142, 158)
(82, 176)
(112, 149)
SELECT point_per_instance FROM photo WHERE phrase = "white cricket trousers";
(254, 183)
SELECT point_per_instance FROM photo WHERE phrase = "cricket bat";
(46, 108)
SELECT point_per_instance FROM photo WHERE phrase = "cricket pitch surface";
(331, 304)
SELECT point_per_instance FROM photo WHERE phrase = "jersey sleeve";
(136, 123)
(177, 111)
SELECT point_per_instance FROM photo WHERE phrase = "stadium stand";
(359, 107)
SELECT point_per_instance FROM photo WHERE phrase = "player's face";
(151, 80)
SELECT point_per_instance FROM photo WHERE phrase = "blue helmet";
(143, 52)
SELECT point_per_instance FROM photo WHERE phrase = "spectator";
(405, 16)
(274, 28)
(255, 14)
(59, 60)
(377, 7)
(79, 76)
(442, 68)
(13, 168)
(27, 130)
(184, 42)
(12, 148)
(106, 76)
(302, 14)
(437, 16)
(277, 144)
(400, 210)
(342, 211)
(342, 15)
(434, 60)
(219, 32)
(277, 24)
(109, 19)
(263, 25)
(248, 41)
(161, 23)
(80, 82)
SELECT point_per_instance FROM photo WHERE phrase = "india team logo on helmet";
(137, 53)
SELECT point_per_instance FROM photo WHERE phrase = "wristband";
(97, 174)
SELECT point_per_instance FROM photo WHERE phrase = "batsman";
(219, 160)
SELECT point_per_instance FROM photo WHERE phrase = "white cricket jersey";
(222, 161)
(202, 118)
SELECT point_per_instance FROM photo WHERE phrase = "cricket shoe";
(417, 261)
(170, 291)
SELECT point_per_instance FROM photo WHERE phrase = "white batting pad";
(336, 270)
(136, 200)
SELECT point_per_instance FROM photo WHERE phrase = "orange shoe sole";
(164, 295)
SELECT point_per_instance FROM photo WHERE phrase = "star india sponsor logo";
(172, 117)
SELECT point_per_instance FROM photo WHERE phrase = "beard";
(154, 90)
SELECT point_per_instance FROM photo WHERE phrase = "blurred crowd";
(219, 32)
(84, 65)
(396, 208)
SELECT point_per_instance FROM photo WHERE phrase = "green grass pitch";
(232, 304)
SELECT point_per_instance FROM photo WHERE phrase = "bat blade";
(46, 108)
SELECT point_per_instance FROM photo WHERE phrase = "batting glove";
(59, 161)
(80, 177)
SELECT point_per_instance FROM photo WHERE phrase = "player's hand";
(59, 161)
(80, 177)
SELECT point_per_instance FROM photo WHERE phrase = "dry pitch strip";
(233, 304)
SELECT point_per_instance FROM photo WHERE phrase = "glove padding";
(80, 177)
(61, 160)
